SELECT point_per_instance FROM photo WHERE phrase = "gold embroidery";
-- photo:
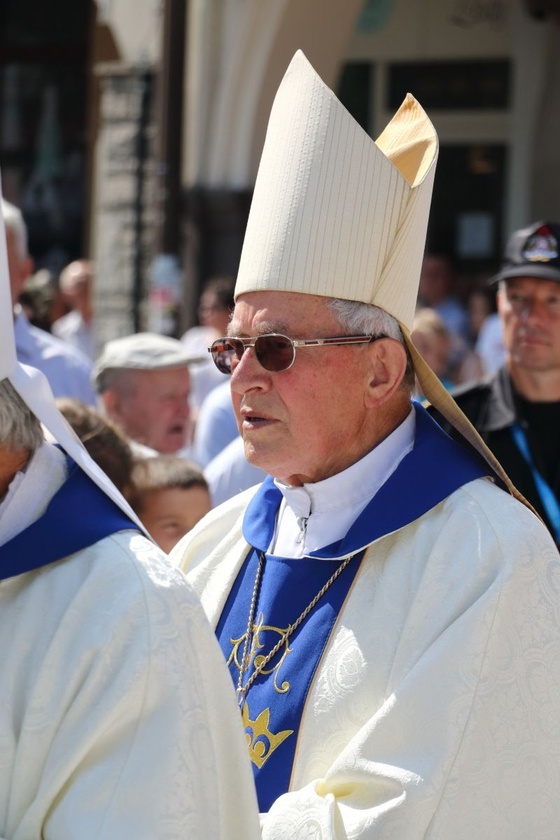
(262, 742)
(257, 659)
(285, 635)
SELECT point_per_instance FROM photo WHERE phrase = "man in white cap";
(118, 719)
(67, 369)
(144, 384)
(517, 409)
(390, 615)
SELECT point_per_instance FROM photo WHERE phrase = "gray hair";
(19, 428)
(13, 220)
(358, 318)
(121, 380)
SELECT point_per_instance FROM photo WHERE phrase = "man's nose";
(248, 373)
(532, 310)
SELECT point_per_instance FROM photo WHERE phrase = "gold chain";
(244, 664)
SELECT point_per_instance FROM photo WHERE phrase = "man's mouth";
(251, 419)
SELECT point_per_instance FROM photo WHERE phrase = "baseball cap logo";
(541, 247)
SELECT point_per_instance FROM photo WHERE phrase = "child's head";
(170, 495)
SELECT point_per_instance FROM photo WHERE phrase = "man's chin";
(172, 446)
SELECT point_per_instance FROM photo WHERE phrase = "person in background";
(485, 331)
(41, 299)
(516, 410)
(432, 339)
(216, 425)
(214, 311)
(67, 370)
(229, 472)
(76, 327)
(479, 307)
(104, 441)
(143, 382)
(170, 495)
(389, 612)
(118, 719)
(437, 291)
(490, 344)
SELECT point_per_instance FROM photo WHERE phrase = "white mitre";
(336, 214)
(33, 387)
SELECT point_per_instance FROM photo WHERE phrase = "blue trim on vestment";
(434, 468)
(288, 586)
(78, 515)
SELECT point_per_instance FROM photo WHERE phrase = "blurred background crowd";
(130, 133)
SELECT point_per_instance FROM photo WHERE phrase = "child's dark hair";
(104, 441)
(163, 472)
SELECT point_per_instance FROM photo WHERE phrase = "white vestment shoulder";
(434, 712)
(118, 719)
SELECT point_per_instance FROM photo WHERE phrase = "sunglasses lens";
(274, 352)
(224, 352)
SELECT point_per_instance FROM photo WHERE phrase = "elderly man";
(517, 410)
(68, 370)
(144, 384)
(389, 613)
(117, 718)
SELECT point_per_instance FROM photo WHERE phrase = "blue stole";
(78, 515)
(435, 468)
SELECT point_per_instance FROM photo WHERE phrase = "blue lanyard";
(549, 500)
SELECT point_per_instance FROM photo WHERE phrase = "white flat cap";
(141, 351)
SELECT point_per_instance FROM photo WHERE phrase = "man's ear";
(111, 403)
(387, 369)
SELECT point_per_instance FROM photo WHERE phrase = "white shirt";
(316, 515)
(490, 344)
(230, 472)
(68, 371)
(73, 330)
(216, 425)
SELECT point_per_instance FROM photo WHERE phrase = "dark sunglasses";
(274, 352)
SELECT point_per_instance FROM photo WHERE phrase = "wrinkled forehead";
(256, 313)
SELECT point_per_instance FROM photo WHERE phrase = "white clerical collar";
(316, 515)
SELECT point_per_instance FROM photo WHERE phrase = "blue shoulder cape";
(79, 515)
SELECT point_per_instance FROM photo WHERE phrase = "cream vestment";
(433, 711)
(117, 718)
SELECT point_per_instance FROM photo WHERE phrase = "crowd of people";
(165, 396)
(358, 493)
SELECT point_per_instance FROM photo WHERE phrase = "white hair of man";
(358, 318)
(14, 221)
(19, 427)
